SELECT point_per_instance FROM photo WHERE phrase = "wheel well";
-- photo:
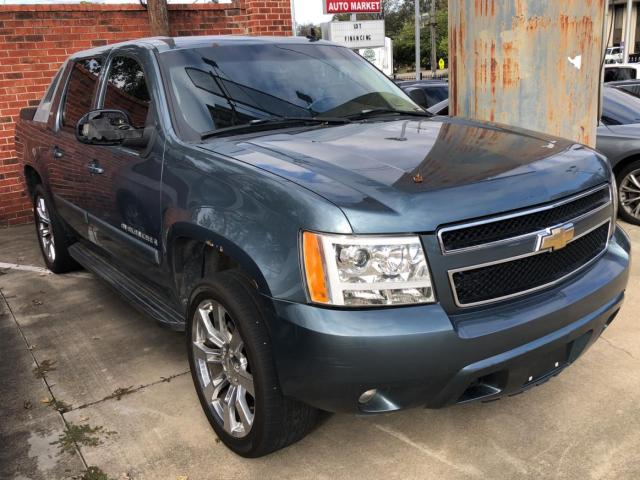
(195, 260)
(623, 163)
(32, 178)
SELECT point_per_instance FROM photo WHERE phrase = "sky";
(310, 11)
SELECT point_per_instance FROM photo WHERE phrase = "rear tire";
(51, 233)
(227, 322)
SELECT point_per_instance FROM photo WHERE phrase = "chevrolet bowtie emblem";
(555, 238)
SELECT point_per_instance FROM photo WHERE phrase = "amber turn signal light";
(314, 268)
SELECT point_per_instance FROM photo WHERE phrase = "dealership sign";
(333, 6)
(364, 34)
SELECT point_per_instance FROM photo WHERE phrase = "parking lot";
(73, 353)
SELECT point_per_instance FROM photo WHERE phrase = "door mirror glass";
(106, 127)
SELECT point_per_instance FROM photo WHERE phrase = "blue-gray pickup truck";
(324, 242)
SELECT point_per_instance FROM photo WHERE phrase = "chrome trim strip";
(531, 290)
(499, 218)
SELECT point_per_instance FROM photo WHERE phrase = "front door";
(124, 207)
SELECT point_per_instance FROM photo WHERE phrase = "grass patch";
(44, 367)
(84, 435)
(118, 393)
(59, 405)
(94, 473)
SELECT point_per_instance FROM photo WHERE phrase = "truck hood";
(415, 175)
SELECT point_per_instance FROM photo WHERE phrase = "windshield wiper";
(273, 122)
(376, 112)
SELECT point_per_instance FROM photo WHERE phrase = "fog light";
(367, 396)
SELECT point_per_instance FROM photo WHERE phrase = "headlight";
(366, 270)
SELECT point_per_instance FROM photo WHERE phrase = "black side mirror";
(106, 127)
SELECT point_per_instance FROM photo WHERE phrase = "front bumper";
(420, 356)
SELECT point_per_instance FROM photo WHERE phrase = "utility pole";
(158, 18)
(433, 38)
(528, 63)
(418, 71)
(627, 32)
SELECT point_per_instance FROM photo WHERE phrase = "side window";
(627, 74)
(44, 107)
(127, 90)
(52, 86)
(610, 75)
(80, 90)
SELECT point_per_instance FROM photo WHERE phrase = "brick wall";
(36, 39)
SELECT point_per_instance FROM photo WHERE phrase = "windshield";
(227, 85)
(620, 108)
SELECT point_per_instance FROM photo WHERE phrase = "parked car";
(618, 138)
(324, 242)
(614, 55)
(425, 92)
(621, 71)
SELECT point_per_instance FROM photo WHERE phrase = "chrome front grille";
(502, 257)
(518, 276)
(517, 224)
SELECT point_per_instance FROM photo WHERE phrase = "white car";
(621, 71)
(614, 55)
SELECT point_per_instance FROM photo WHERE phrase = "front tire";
(51, 234)
(234, 373)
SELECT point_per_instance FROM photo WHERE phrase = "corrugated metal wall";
(529, 63)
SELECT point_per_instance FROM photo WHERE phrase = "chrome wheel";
(222, 368)
(630, 193)
(45, 229)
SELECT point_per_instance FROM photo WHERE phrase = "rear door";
(125, 188)
(67, 166)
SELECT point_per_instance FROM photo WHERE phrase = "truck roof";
(162, 44)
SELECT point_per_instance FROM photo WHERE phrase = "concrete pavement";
(126, 379)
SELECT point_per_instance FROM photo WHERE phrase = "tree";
(404, 38)
(399, 16)
(158, 18)
(305, 30)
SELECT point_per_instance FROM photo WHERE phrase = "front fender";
(230, 249)
(254, 215)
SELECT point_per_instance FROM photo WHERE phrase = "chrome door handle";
(94, 169)
(57, 153)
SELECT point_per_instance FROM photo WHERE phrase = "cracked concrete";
(121, 392)
(610, 342)
(583, 424)
(27, 425)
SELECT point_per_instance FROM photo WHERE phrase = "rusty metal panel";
(529, 63)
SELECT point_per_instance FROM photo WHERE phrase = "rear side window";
(42, 113)
(80, 90)
(626, 74)
(614, 74)
(610, 75)
(127, 90)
